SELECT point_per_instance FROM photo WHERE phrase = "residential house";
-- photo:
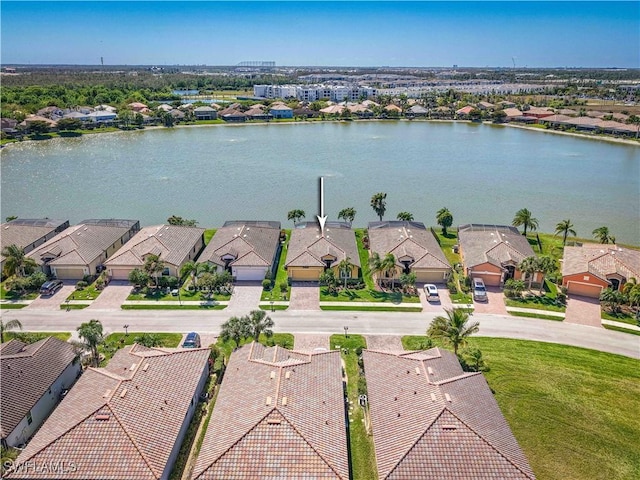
(306, 112)
(311, 252)
(493, 253)
(80, 250)
(27, 122)
(280, 110)
(360, 110)
(257, 112)
(278, 414)
(83, 117)
(106, 107)
(175, 245)
(52, 112)
(137, 106)
(592, 267)
(8, 125)
(205, 113)
(33, 379)
(414, 247)
(122, 422)
(164, 107)
(486, 106)
(332, 110)
(418, 111)
(430, 419)
(538, 112)
(28, 233)
(512, 114)
(465, 111)
(248, 249)
(506, 104)
(177, 114)
(391, 108)
(102, 116)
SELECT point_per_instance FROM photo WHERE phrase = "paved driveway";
(384, 343)
(304, 296)
(494, 304)
(113, 296)
(583, 311)
(445, 300)
(246, 297)
(310, 342)
(54, 301)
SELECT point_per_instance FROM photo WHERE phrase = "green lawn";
(363, 463)
(72, 306)
(624, 317)
(88, 293)
(446, 243)
(12, 306)
(283, 339)
(31, 337)
(281, 275)
(12, 295)
(366, 295)
(208, 235)
(269, 308)
(185, 295)
(574, 411)
(116, 341)
(536, 315)
(175, 306)
(363, 254)
(620, 329)
(461, 298)
(537, 303)
(372, 308)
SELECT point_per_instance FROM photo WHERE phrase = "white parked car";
(431, 292)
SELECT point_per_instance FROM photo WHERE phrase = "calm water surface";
(482, 173)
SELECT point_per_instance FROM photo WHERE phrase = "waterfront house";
(164, 107)
(493, 253)
(485, 106)
(102, 116)
(430, 419)
(121, 422)
(177, 114)
(83, 117)
(591, 267)
(81, 249)
(106, 107)
(33, 378)
(512, 114)
(247, 249)
(538, 112)
(280, 110)
(29, 233)
(257, 112)
(8, 125)
(414, 247)
(137, 106)
(52, 112)
(175, 245)
(27, 122)
(311, 252)
(305, 112)
(279, 414)
(464, 111)
(205, 113)
(418, 111)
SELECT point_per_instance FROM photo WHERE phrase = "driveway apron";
(583, 311)
(54, 301)
(113, 296)
(246, 297)
(304, 296)
(439, 306)
(494, 304)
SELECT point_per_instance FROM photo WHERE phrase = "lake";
(482, 173)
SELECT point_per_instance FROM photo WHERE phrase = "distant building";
(311, 93)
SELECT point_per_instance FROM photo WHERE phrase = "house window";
(29, 418)
(166, 271)
(345, 273)
(586, 278)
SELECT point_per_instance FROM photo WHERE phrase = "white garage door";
(249, 273)
(120, 273)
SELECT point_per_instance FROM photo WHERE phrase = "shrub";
(362, 385)
(472, 361)
(35, 280)
(284, 288)
(266, 284)
(168, 281)
(81, 285)
(453, 288)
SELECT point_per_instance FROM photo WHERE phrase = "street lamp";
(272, 309)
(126, 329)
(346, 329)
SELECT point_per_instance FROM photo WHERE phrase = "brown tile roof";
(26, 373)
(307, 246)
(410, 239)
(432, 420)
(121, 426)
(252, 243)
(172, 243)
(288, 422)
(24, 232)
(601, 260)
(495, 244)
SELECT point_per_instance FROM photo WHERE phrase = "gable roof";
(26, 373)
(407, 239)
(251, 243)
(287, 423)
(307, 246)
(171, 242)
(121, 423)
(432, 420)
(494, 244)
(24, 232)
(601, 260)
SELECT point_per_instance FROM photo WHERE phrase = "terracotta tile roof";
(512, 112)
(121, 426)
(172, 243)
(307, 246)
(495, 244)
(287, 423)
(26, 373)
(251, 243)
(465, 110)
(432, 420)
(408, 239)
(601, 260)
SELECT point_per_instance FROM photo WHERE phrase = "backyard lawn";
(281, 275)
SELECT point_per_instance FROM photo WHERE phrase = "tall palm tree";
(529, 266)
(444, 219)
(236, 328)
(376, 265)
(525, 218)
(602, 235)
(154, 266)
(389, 267)
(379, 204)
(565, 227)
(344, 267)
(545, 265)
(260, 323)
(296, 215)
(16, 262)
(405, 216)
(10, 325)
(193, 269)
(453, 328)
(92, 335)
(347, 214)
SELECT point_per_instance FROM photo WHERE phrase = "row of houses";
(250, 251)
(279, 414)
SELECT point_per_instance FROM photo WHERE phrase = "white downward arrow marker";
(322, 217)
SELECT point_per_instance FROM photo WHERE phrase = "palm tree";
(16, 262)
(376, 265)
(236, 328)
(389, 267)
(602, 235)
(295, 215)
(260, 323)
(91, 334)
(405, 216)
(154, 266)
(545, 265)
(192, 268)
(444, 219)
(613, 298)
(348, 214)
(453, 328)
(565, 227)
(525, 218)
(379, 204)
(344, 267)
(529, 266)
(10, 325)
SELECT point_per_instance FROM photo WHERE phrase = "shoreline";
(620, 141)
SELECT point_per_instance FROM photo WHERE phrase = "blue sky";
(362, 33)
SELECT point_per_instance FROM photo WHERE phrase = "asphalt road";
(398, 323)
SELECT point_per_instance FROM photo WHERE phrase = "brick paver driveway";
(583, 311)
(384, 343)
(246, 297)
(54, 301)
(494, 304)
(310, 342)
(305, 296)
(445, 299)
(113, 296)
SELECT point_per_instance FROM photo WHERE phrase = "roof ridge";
(457, 377)
(327, 240)
(107, 373)
(135, 444)
(307, 252)
(249, 253)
